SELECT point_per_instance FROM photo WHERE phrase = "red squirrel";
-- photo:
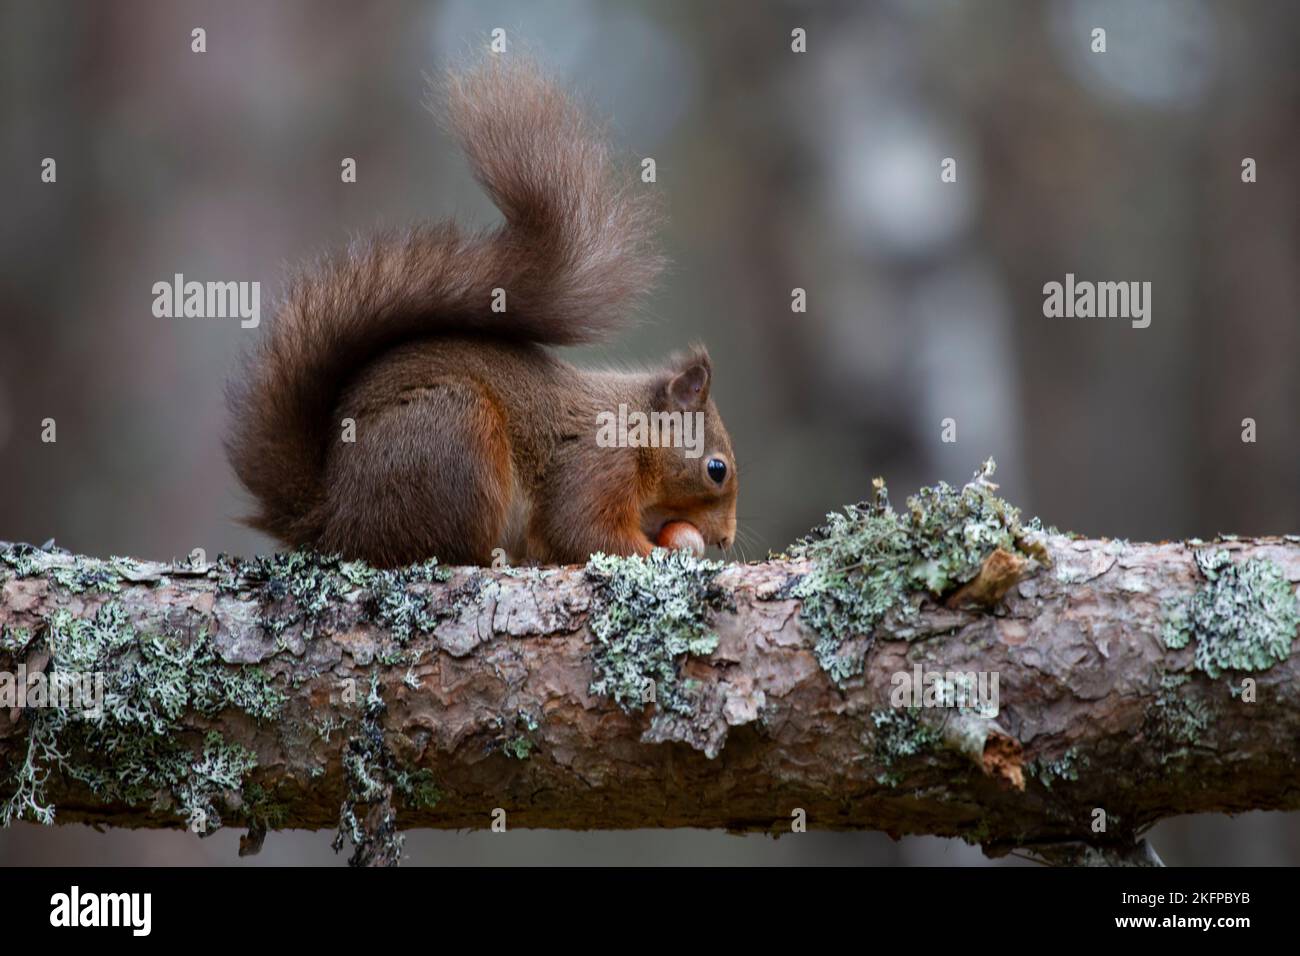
(469, 434)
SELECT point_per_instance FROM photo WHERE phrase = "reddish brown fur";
(470, 434)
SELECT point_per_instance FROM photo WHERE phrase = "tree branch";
(1134, 682)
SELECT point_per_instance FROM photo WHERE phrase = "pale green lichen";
(14, 640)
(1176, 720)
(647, 614)
(871, 560)
(76, 574)
(298, 585)
(325, 726)
(520, 748)
(404, 612)
(262, 811)
(1175, 629)
(372, 776)
(417, 788)
(301, 586)
(899, 734)
(1064, 767)
(87, 575)
(305, 587)
(22, 559)
(134, 747)
(1243, 618)
(517, 742)
(140, 746)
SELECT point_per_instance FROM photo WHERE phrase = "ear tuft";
(688, 387)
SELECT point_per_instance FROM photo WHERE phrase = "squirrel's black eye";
(717, 469)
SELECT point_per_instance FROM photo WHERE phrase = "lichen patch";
(647, 615)
(1243, 618)
(870, 561)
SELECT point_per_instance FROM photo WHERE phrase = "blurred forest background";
(780, 170)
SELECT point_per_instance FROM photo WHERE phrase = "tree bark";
(492, 705)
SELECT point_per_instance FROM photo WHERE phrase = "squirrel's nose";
(724, 543)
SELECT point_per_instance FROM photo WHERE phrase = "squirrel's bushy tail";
(572, 255)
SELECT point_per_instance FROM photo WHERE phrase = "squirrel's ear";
(688, 388)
